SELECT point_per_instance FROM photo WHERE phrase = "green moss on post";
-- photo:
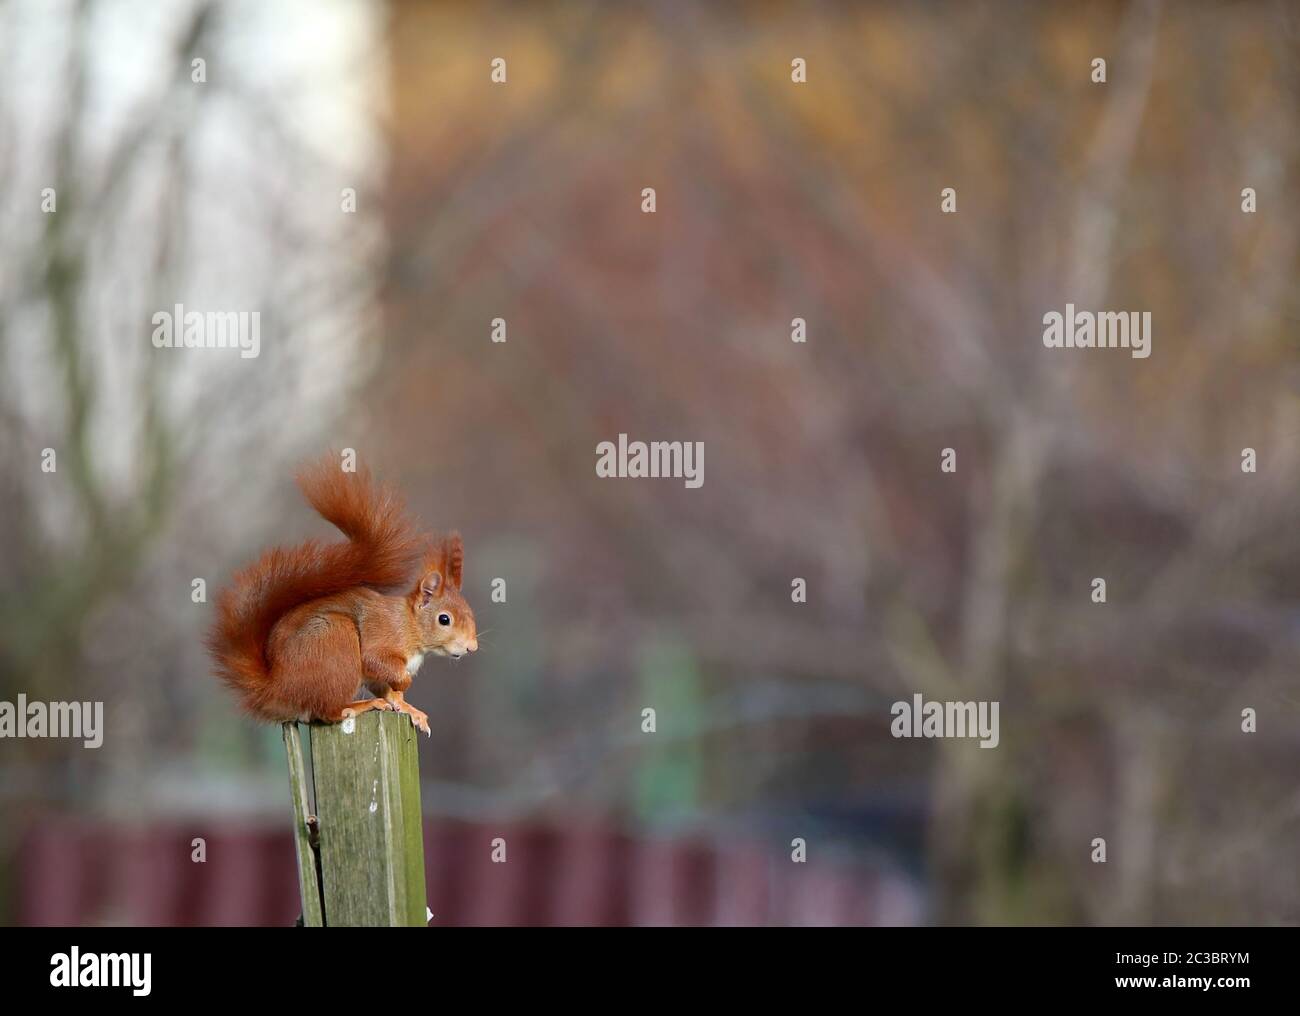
(303, 829)
(366, 782)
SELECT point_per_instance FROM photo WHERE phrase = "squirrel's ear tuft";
(430, 587)
(433, 569)
(453, 552)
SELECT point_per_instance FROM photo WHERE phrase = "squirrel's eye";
(444, 619)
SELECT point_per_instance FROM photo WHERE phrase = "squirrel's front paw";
(418, 716)
(420, 719)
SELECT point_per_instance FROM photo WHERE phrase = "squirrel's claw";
(421, 721)
(419, 718)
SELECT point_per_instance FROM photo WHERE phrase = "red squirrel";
(302, 627)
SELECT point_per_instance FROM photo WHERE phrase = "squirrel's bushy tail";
(381, 552)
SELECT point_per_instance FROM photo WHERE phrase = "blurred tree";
(133, 183)
(778, 200)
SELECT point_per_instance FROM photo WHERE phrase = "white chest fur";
(413, 663)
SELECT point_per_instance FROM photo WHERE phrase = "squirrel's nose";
(472, 645)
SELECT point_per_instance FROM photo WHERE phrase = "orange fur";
(302, 627)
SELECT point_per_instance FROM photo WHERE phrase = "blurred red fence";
(73, 872)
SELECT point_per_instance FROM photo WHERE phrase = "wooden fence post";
(357, 824)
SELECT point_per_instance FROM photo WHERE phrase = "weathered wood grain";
(308, 883)
(365, 773)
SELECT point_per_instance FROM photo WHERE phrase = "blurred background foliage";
(521, 201)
